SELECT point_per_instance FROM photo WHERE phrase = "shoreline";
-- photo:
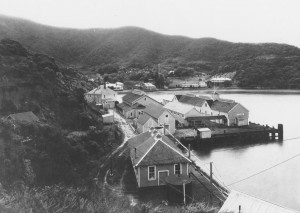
(224, 91)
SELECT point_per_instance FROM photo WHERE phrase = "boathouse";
(134, 102)
(155, 157)
(238, 202)
(102, 95)
(236, 114)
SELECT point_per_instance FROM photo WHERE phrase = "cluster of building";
(145, 86)
(156, 121)
(155, 156)
(182, 111)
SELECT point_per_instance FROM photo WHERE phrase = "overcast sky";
(233, 20)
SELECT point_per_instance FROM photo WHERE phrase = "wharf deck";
(253, 132)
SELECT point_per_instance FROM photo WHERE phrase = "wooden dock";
(252, 133)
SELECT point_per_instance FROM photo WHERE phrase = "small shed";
(108, 118)
(204, 132)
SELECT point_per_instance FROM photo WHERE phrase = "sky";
(253, 21)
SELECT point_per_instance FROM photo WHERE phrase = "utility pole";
(211, 182)
(184, 201)
(111, 167)
(211, 172)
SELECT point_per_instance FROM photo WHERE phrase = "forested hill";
(131, 45)
(257, 65)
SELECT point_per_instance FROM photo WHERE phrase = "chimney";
(154, 132)
(215, 96)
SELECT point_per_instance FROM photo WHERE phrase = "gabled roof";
(154, 110)
(147, 149)
(223, 106)
(161, 153)
(124, 107)
(138, 106)
(101, 90)
(27, 117)
(143, 119)
(133, 95)
(179, 107)
(140, 138)
(195, 101)
(250, 204)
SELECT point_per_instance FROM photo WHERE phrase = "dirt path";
(127, 131)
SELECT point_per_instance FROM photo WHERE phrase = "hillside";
(60, 148)
(135, 47)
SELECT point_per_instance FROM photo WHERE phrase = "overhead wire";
(264, 170)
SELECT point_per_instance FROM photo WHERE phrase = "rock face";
(12, 48)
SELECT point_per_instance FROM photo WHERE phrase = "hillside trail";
(127, 131)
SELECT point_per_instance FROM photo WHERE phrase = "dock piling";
(280, 133)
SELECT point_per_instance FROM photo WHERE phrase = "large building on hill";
(102, 95)
(134, 102)
(155, 157)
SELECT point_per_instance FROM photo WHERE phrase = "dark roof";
(143, 119)
(160, 150)
(136, 140)
(138, 106)
(154, 110)
(162, 154)
(27, 117)
(223, 106)
(124, 106)
(200, 118)
(195, 101)
(132, 96)
(178, 96)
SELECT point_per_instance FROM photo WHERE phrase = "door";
(161, 177)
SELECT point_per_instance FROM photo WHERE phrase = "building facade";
(155, 157)
(102, 95)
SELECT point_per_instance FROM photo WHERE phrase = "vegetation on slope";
(108, 50)
(61, 148)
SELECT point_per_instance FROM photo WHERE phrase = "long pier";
(252, 133)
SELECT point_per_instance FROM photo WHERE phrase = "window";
(177, 169)
(145, 99)
(205, 104)
(166, 119)
(151, 173)
(104, 96)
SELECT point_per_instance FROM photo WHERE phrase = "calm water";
(280, 184)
